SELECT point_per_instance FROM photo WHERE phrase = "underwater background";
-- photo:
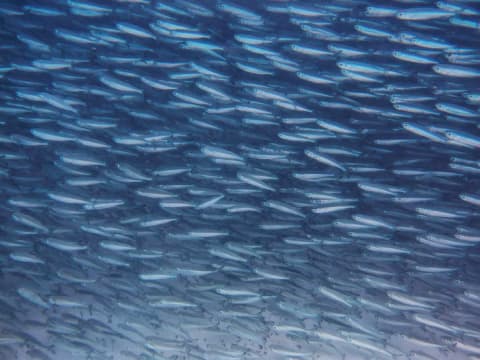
(239, 179)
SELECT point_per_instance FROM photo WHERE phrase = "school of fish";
(275, 179)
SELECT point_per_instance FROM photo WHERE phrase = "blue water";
(239, 180)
